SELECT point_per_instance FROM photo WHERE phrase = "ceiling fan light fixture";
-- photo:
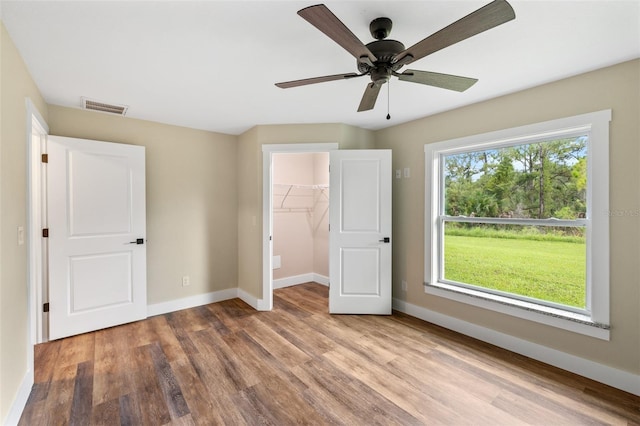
(95, 105)
(380, 75)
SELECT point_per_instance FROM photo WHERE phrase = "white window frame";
(592, 321)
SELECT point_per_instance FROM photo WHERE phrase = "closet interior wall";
(301, 217)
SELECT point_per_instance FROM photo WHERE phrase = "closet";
(300, 218)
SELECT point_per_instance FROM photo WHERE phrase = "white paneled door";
(360, 234)
(96, 219)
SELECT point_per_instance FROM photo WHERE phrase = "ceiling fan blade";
(493, 14)
(323, 19)
(444, 81)
(369, 98)
(314, 80)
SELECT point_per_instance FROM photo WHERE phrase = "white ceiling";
(212, 64)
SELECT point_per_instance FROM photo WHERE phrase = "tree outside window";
(532, 182)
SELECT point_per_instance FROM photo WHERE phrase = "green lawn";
(547, 270)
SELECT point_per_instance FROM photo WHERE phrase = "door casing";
(36, 208)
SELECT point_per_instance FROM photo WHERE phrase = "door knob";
(385, 240)
(137, 241)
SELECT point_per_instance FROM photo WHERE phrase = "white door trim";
(266, 303)
(35, 208)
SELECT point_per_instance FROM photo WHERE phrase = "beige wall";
(616, 87)
(298, 219)
(15, 85)
(250, 184)
(191, 199)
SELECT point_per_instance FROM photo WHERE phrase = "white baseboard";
(300, 279)
(294, 280)
(16, 409)
(191, 302)
(203, 299)
(250, 300)
(321, 279)
(619, 379)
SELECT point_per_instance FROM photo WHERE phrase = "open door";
(360, 234)
(96, 217)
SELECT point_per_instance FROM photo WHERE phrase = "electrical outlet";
(404, 285)
(185, 281)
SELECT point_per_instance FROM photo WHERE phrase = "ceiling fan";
(382, 58)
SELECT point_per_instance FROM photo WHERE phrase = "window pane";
(537, 180)
(545, 263)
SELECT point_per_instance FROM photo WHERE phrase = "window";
(517, 221)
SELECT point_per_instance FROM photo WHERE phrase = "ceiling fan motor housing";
(384, 51)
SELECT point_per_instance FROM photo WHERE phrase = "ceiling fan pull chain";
(388, 94)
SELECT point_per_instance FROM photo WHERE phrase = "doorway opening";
(295, 216)
(300, 190)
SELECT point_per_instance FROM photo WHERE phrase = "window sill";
(577, 323)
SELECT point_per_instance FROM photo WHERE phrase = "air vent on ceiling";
(95, 105)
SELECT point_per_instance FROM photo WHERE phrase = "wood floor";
(225, 363)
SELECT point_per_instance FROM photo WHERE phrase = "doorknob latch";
(137, 241)
(385, 240)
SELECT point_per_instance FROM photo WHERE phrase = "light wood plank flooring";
(225, 363)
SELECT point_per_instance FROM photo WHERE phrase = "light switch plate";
(20, 235)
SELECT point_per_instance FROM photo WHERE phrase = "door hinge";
(45, 307)
(45, 158)
(45, 233)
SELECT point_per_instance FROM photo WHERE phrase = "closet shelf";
(291, 186)
(296, 186)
